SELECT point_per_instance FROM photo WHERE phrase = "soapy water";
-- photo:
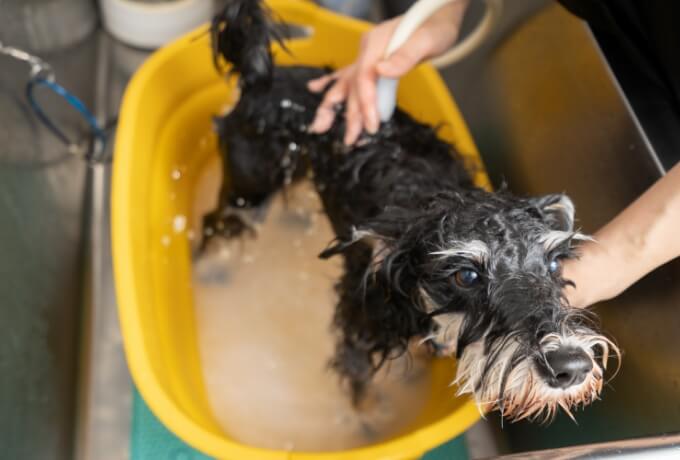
(264, 308)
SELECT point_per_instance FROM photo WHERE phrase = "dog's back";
(268, 143)
(384, 182)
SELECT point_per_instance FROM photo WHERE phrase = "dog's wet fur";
(428, 257)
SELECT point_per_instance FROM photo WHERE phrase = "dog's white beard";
(519, 392)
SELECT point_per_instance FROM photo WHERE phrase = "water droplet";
(292, 146)
(176, 174)
(165, 240)
(179, 223)
(286, 103)
(240, 201)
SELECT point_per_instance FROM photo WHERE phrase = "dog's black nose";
(570, 366)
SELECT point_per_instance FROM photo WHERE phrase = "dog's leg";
(375, 321)
(255, 166)
(353, 364)
(356, 357)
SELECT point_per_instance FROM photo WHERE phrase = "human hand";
(598, 274)
(356, 83)
(641, 238)
(580, 294)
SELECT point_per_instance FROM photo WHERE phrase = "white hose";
(494, 8)
(412, 19)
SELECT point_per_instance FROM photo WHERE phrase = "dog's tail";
(242, 34)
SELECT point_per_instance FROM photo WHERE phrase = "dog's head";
(485, 270)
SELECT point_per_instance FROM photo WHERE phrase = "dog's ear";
(557, 210)
(377, 243)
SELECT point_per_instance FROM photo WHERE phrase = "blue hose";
(97, 131)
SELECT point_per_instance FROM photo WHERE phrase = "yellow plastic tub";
(167, 107)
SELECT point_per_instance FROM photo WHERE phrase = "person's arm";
(356, 82)
(642, 237)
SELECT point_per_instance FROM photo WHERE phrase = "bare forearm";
(642, 237)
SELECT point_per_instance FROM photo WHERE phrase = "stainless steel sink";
(105, 409)
(547, 116)
(42, 228)
(65, 391)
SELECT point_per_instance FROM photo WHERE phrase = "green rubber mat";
(150, 440)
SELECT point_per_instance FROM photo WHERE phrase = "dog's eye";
(554, 265)
(466, 278)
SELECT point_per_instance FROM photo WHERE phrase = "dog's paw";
(227, 225)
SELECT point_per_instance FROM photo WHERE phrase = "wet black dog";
(427, 255)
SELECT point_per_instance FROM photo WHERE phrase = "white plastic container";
(151, 24)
